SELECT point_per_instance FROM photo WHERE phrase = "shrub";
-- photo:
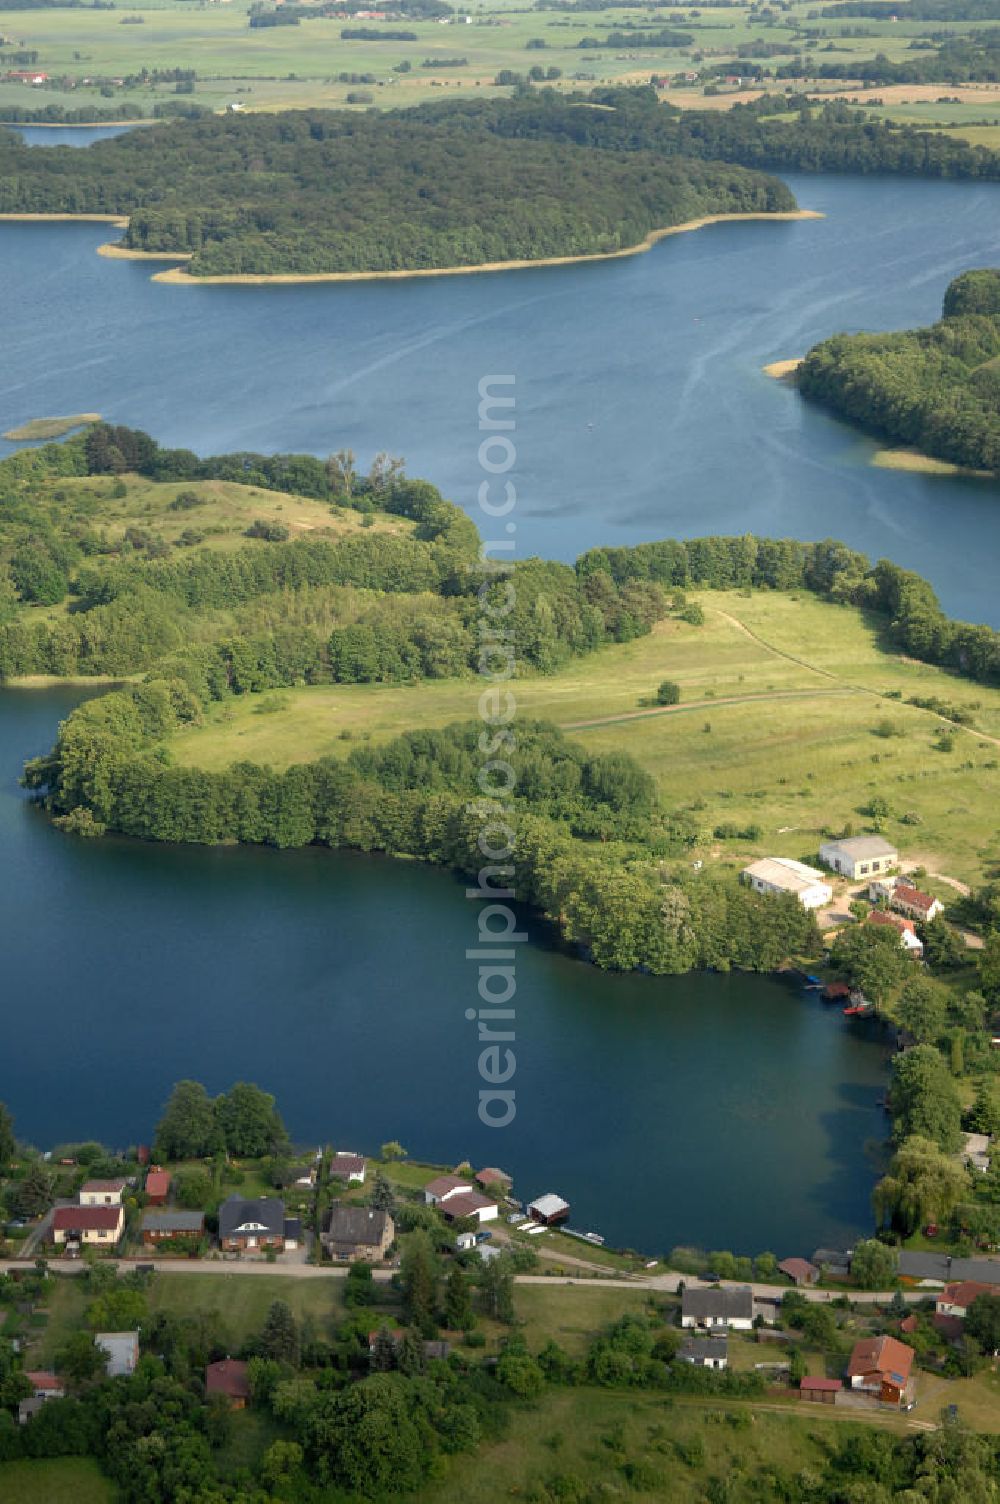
(668, 693)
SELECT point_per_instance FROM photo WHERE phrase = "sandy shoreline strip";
(117, 252)
(923, 464)
(782, 370)
(178, 277)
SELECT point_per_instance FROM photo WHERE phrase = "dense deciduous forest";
(936, 389)
(323, 192)
(458, 183)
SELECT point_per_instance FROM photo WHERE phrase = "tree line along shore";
(458, 184)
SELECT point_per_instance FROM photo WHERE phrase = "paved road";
(666, 1284)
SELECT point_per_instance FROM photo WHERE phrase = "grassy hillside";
(794, 693)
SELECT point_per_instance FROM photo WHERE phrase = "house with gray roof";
(357, 1232)
(705, 1352)
(718, 1307)
(252, 1226)
(160, 1226)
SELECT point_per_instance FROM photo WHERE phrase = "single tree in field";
(187, 1127)
(982, 1323)
(457, 1300)
(873, 1265)
(280, 1336)
(341, 468)
(33, 1193)
(419, 1276)
(392, 1151)
(382, 1198)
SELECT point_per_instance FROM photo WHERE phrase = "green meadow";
(793, 716)
(285, 67)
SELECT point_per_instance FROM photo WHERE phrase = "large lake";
(725, 1110)
(732, 1111)
(642, 410)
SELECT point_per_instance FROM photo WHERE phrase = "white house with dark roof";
(346, 1165)
(718, 1307)
(705, 1352)
(456, 1197)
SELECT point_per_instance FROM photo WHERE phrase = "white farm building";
(780, 874)
(859, 856)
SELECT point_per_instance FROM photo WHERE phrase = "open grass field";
(783, 723)
(572, 1315)
(59, 1480)
(285, 67)
(588, 1434)
(242, 1301)
(224, 511)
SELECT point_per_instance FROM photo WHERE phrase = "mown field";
(283, 67)
(784, 723)
(58, 1480)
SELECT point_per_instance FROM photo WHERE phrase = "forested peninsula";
(936, 389)
(349, 578)
(457, 184)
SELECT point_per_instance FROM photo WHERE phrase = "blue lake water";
(642, 411)
(725, 1110)
(664, 1110)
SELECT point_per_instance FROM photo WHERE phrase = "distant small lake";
(68, 135)
(732, 1111)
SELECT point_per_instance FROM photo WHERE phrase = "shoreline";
(115, 251)
(95, 219)
(903, 458)
(73, 125)
(179, 278)
(916, 462)
(782, 370)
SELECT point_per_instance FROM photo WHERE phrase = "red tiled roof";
(909, 1324)
(879, 916)
(86, 1218)
(825, 1385)
(42, 1379)
(798, 1269)
(491, 1176)
(885, 1356)
(963, 1293)
(229, 1376)
(466, 1204)
(103, 1185)
(442, 1184)
(158, 1182)
(913, 897)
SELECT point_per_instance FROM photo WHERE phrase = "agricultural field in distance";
(286, 67)
(793, 716)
